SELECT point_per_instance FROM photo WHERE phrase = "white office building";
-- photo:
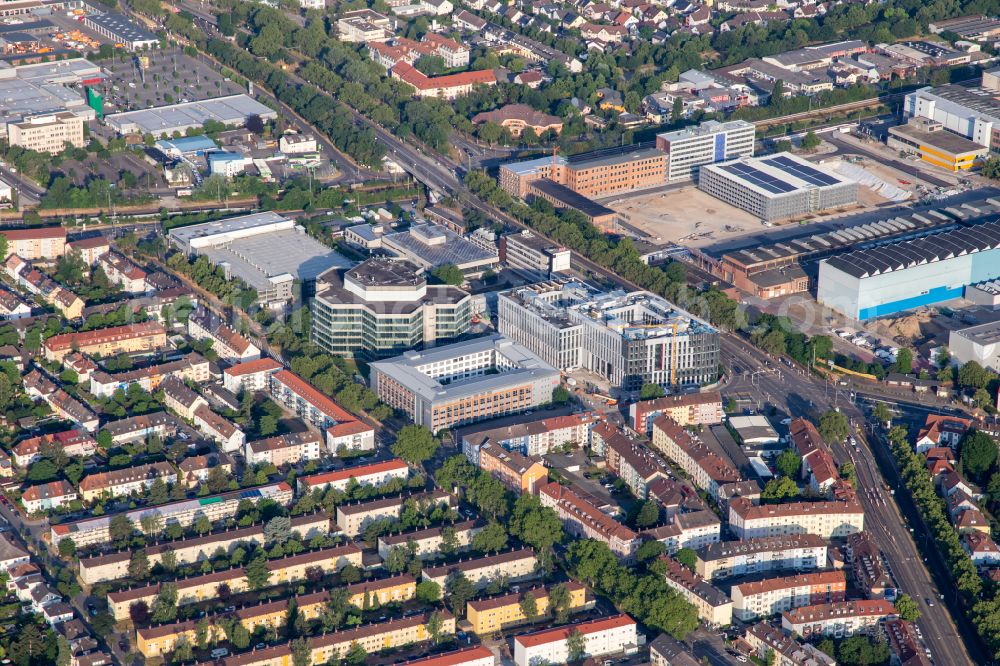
(708, 143)
(628, 338)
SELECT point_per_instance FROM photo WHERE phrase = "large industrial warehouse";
(777, 187)
(892, 278)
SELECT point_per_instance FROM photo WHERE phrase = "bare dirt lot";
(687, 216)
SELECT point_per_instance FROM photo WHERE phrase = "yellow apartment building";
(488, 616)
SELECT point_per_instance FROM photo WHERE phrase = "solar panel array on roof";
(935, 247)
(802, 171)
(759, 178)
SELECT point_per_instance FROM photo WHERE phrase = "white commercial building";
(464, 382)
(266, 250)
(628, 338)
(970, 112)
(977, 343)
(777, 187)
(896, 277)
(708, 143)
(613, 635)
(231, 111)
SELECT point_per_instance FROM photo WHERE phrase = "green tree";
(428, 592)
(650, 550)
(120, 529)
(978, 453)
(356, 656)
(240, 637)
(301, 652)
(810, 141)
(687, 557)
(529, 606)
(788, 463)
(350, 574)
(882, 413)
(434, 626)
(138, 565)
(459, 590)
(182, 651)
(67, 547)
(904, 361)
(576, 647)
(849, 473)
(415, 444)
(165, 606)
(649, 514)
(449, 274)
(560, 396)
(491, 539)
(907, 608)
(779, 489)
(650, 391)
(559, 603)
(833, 426)
(257, 573)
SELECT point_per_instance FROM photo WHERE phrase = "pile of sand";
(907, 327)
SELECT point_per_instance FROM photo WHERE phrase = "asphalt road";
(796, 392)
(27, 191)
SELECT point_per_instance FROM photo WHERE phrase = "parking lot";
(168, 78)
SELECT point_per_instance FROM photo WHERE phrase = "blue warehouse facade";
(896, 277)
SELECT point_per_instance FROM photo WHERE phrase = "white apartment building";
(764, 598)
(534, 438)
(840, 619)
(250, 376)
(375, 474)
(828, 519)
(227, 343)
(285, 449)
(612, 635)
(583, 519)
(219, 428)
(694, 530)
(514, 565)
(726, 559)
(714, 607)
(364, 25)
(428, 541)
(708, 143)
(47, 133)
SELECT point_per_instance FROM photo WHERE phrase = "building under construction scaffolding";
(628, 338)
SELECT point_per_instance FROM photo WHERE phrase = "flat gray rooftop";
(256, 258)
(122, 27)
(447, 246)
(984, 334)
(405, 369)
(231, 110)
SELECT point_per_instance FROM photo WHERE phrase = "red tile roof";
(311, 394)
(456, 658)
(32, 233)
(407, 73)
(562, 633)
(349, 428)
(250, 367)
(67, 340)
(353, 472)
